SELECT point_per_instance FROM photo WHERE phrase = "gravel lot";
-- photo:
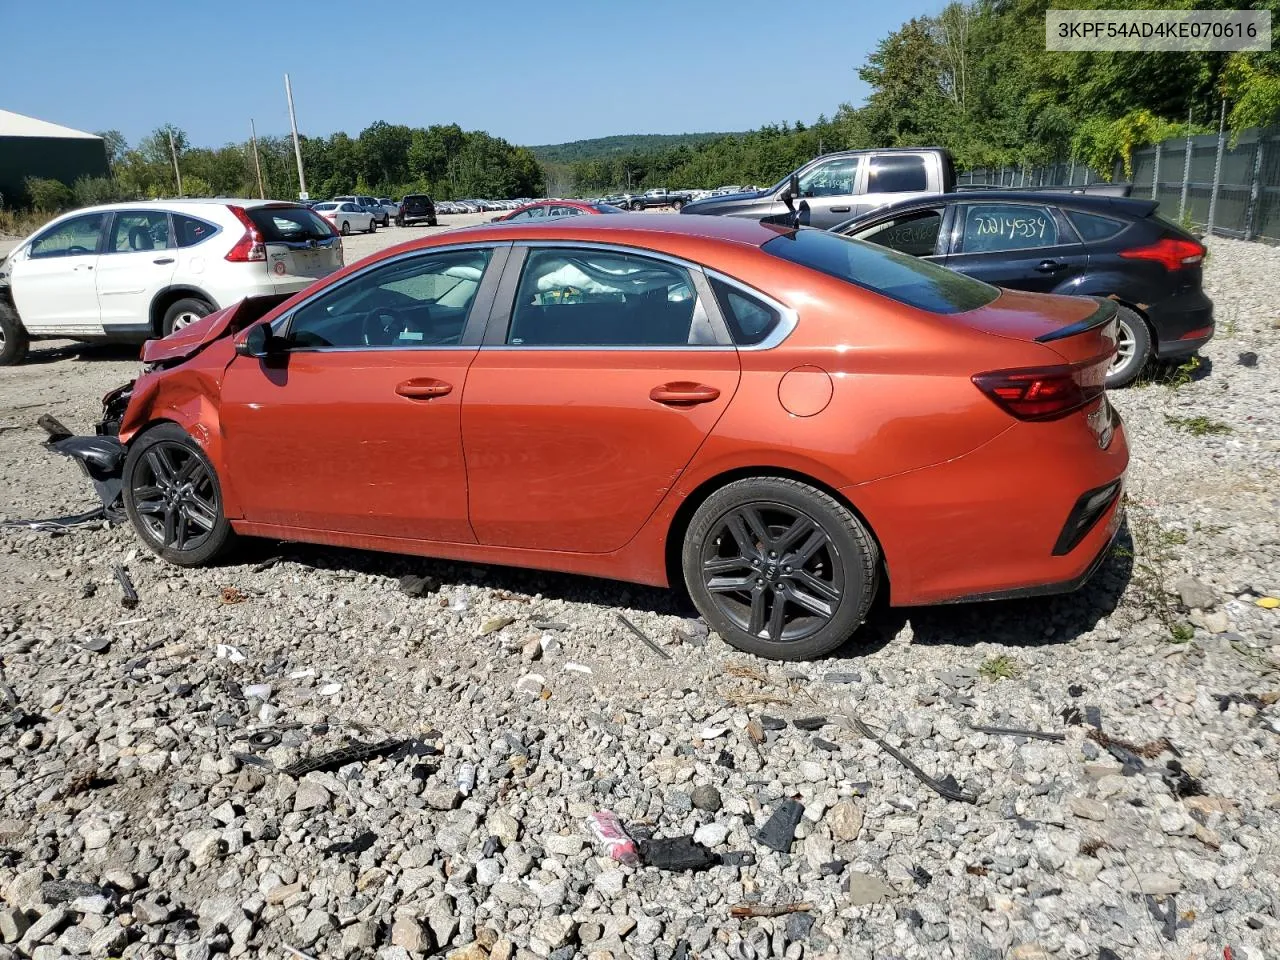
(130, 769)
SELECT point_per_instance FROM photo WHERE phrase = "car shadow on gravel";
(1033, 622)
(571, 588)
(81, 351)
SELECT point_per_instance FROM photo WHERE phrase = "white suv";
(132, 271)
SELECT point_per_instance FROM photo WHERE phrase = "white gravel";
(128, 772)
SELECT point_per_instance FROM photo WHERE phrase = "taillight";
(1045, 393)
(250, 246)
(1172, 252)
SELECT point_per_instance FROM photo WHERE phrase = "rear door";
(602, 373)
(300, 243)
(919, 231)
(54, 284)
(137, 262)
(1022, 246)
(892, 178)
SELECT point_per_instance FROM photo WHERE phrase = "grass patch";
(1200, 426)
(1182, 632)
(999, 668)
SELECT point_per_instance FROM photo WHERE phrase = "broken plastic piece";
(676, 854)
(947, 786)
(1075, 690)
(772, 723)
(413, 585)
(56, 525)
(355, 753)
(1166, 915)
(741, 910)
(647, 642)
(225, 651)
(128, 595)
(1181, 784)
(1093, 716)
(1014, 732)
(357, 844)
(53, 427)
(810, 723)
(780, 829)
(612, 835)
(826, 745)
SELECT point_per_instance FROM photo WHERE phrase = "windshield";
(898, 276)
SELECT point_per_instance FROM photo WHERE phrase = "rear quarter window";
(750, 319)
(917, 283)
(1091, 226)
(189, 230)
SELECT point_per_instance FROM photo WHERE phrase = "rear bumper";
(987, 525)
(1182, 324)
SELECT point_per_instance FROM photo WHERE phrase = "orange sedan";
(784, 421)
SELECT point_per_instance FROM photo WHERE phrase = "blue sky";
(532, 72)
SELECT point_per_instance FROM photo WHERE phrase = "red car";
(788, 421)
(544, 209)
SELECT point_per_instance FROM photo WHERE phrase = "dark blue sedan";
(1076, 244)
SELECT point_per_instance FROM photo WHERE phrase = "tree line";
(386, 159)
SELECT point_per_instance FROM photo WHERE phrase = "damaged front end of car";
(100, 456)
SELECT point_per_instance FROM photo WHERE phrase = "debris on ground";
(128, 594)
(676, 854)
(335, 759)
(947, 786)
(609, 832)
(233, 595)
(779, 830)
(413, 585)
(644, 639)
(1015, 732)
(768, 910)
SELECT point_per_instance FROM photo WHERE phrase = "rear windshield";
(277, 224)
(916, 283)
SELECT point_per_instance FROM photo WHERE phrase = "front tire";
(173, 498)
(637, 205)
(676, 205)
(1133, 349)
(183, 313)
(780, 569)
(13, 337)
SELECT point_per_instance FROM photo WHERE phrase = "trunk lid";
(1078, 329)
(300, 244)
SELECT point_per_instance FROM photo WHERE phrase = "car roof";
(653, 227)
(1130, 206)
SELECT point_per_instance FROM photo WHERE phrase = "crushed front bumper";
(101, 456)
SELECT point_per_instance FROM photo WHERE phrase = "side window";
(915, 233)
(598, 298)
(897, 173)
(564, 212)
(133, 232)
(1090, 226)
(835, 178)
(750, 320)
(991, 227)
(189, 231)
(71, 238)
(422, 302)
(522, 215)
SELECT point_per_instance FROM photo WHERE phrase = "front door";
(356, 428)
(136, 264)
(1021, 246)
(829, 192)
(586, 407)
(54, 284)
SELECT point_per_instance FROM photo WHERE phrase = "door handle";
(839, 209)
(1050, 266)
(84, 266)
(423, 389)
(163, 260)
(683, 394)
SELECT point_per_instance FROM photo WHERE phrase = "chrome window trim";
(788, 318)
(697, 274)
(279, 326)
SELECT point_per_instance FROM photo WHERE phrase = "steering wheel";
(78, 249)
(382, 328)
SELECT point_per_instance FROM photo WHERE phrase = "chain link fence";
(1232, 190)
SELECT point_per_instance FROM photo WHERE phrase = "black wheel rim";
(174, 496)
(773, 571)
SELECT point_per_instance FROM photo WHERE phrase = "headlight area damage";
(102, 455)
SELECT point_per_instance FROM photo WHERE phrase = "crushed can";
(612, 835)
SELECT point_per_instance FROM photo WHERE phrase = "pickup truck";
(658, 198)
(841, 185)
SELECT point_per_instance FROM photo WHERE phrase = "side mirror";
(794, 186)
(257, 342)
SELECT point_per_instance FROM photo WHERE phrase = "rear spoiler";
(1104, 314)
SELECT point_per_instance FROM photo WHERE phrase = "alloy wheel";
(773, 571)
(175, 497)
(1125, 347)
(185, 319)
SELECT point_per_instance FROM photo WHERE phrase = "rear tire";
(13, 337)
(637, 205)
(676, 205)
(373, 227)
(346, 229)
(1133, 349)
(780, 569)
(173, 498)
(183, 313)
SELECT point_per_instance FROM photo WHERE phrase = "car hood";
(713, 204)
(190, 340)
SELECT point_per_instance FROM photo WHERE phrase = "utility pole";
(173, 152)
(297, 147)
(257, 164)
